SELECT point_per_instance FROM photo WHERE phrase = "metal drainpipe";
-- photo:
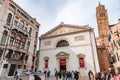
(93, 51)
(39, 52)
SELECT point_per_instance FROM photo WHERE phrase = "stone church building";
(68, 47)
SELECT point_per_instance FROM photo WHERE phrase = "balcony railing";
(20, 28)
(16, 48)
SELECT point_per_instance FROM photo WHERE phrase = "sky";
(50, 13)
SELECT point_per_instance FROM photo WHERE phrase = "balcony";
(17, 48)
(21, 29)
(16, 61)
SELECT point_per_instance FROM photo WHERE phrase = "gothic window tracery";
(18, 41)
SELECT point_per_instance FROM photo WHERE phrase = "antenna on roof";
(99, 3)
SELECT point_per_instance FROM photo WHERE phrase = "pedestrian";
(60, 75)
(112, 77)
(36, 77)
(91, 75)
(108, 76)
(118, 76)
(96, 76)
(56, 75)
(48, 74)
(76, 75)
(45, 73)
(72, 75)
(64, 75)
(17, 75)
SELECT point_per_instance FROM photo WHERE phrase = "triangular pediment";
(62, 55)
(63, 29)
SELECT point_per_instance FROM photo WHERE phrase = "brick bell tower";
(102, 40)
(102, 20)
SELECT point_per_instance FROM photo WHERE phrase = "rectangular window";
(81, 62)
(19, 66)
(36, 35)
(1, 52)
(62, 62)
(5, 66)
(46, 63)
(22, 45)
(11, 40)
(17, 43)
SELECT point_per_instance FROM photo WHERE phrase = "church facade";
(68, 47)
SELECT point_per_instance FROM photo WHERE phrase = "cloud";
(77, 13)
(50, 13)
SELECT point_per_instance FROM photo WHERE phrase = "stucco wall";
(75, 48)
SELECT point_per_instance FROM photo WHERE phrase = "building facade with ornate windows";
(114, 42)
(68, 47)
(18, 39)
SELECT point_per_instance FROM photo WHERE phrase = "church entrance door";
(62, 64)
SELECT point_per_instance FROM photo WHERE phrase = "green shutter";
(119, 43)
(34, 49)
(9, 18)
(4, 36)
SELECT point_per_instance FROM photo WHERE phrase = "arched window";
(21, 24)
(23, 43)
(9, 18)
(36, 35)
(4, 37)
(18, 41)
(62, 43)
(28, 45)
(30, 31)
(34, 48)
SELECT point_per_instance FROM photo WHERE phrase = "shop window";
(9, 18)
